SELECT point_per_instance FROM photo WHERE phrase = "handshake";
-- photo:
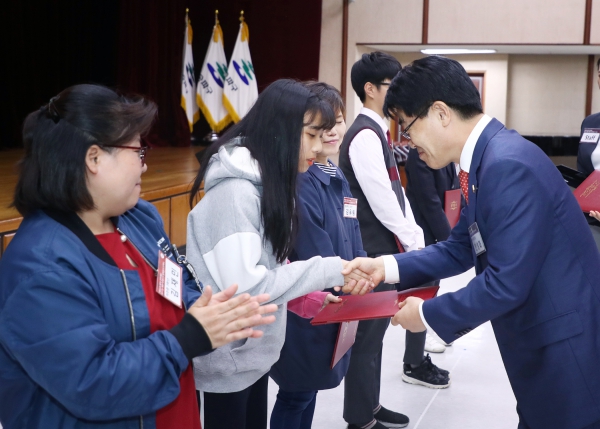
(361, 275)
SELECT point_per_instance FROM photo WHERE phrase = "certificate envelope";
(376, 305)
(345, 339)
(588, 193)
(452, 201)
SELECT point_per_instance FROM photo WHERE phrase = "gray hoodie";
(225, 245)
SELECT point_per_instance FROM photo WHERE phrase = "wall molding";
(587, 28)
(425, 34)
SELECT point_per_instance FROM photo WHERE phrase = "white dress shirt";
(368, 163)
(392, 274)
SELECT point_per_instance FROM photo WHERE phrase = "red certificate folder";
(345, 339)
(452, 200)
(588, 193)
(376, 305)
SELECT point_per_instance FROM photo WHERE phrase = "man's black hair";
(432, 79)
(375, 67)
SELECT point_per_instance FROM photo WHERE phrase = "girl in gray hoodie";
(242, 231)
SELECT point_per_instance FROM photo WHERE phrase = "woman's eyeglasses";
(141, 150)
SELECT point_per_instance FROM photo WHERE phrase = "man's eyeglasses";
(404, 133)
(141, 150)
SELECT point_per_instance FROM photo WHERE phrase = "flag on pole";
(212, 80)
(240, 90)
(188, 80)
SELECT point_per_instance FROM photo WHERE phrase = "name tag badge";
(169, 279)
(590, 135)
(476, 240)
(350, 207)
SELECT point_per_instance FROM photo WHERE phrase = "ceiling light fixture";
(453, 51)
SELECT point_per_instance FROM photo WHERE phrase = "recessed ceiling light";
(452, 51)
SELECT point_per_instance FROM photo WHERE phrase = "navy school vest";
(377, 239)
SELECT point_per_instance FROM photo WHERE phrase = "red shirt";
(182, 413)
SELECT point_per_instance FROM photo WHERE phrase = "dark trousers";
(363, 379)
(293, 410)
(246, 409)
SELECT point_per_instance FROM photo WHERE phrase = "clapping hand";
(226, 318)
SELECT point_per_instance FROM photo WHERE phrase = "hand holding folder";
(353, 308)
(376, 305)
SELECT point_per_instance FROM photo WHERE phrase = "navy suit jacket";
(426, 191)
(538, 281)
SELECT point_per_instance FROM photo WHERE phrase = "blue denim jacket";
(75, 343)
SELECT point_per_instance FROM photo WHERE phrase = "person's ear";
(92, 158)
(442, 113)
(369, 89)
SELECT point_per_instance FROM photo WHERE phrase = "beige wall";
(537, 94)
(595, 89)
(330, 58)
(506, 21)
(546, 94)
(595, 29)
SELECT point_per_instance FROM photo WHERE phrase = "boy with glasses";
(387, 225)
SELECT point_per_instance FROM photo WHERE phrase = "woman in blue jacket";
(86, 341)
(326, 228)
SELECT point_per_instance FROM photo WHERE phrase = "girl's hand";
(595, 215)
(330, 298)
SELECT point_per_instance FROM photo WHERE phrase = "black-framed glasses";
(404, 133)
(142, 150)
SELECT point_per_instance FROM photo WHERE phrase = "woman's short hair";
(328, 93)
(52, 174)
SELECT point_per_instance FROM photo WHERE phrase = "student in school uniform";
(325, 229)
(387, 225)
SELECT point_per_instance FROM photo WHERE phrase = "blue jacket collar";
(319, 174)
(490, 131)
(76, 225)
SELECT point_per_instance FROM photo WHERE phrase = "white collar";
(373, 115)
(467, 152)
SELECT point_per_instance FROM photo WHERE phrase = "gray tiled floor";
(479, 397)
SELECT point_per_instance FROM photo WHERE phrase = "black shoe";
(441, 371)
(377, 425)
(426, 374)
(391, 419)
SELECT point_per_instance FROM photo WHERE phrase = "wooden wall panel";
(7, 239)
(164, 208)
(507, 21)
(385, 21)
(180, 207)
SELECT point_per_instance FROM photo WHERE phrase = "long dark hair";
(57, 137)
(272, 132)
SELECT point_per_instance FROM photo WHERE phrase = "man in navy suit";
(538, 270)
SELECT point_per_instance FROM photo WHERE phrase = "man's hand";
(595, 215)
(408, 316)
(226, 319)
(357, 270)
